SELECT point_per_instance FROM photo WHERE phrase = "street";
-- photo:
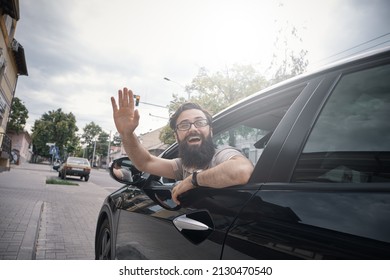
(49, 222)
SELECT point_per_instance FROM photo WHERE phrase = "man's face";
(195, 144)
(192, 136)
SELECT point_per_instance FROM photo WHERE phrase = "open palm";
(126, 117)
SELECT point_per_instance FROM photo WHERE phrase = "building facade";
(12, 65)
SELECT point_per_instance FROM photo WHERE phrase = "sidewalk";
(42, 221)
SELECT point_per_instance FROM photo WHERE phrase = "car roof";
(359, 58)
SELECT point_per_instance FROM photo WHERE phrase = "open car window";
(250, 126)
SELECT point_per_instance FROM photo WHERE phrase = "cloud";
(79, 53)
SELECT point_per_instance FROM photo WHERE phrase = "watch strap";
(194, 179)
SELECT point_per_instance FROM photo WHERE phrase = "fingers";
(136, 116)
(125, 98)
(175, 195)
(114, 106)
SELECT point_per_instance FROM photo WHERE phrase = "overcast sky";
(80, 52)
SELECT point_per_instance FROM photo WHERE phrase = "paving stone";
(47, 222)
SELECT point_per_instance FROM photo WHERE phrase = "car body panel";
(281, 213)
(139, 215)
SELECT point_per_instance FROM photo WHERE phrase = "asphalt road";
(45, 221)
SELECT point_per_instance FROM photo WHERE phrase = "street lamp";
(183, 87)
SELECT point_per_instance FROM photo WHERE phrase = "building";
(150, 140)
(12, 65)
(21, 147)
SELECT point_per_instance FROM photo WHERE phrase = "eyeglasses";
(183, 126)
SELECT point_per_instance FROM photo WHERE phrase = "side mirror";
(123, 171)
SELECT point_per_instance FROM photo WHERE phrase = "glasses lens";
(200, 123)
(187, 125)
(183, 126)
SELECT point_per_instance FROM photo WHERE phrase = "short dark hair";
(188, 106)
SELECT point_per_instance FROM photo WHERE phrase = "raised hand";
(126, 117)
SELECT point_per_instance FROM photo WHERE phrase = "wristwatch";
(194, 179)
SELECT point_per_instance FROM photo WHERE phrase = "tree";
(95, 139)
(286, 62)
(55, 127)
(217, 91)
(226, 86)
(18, 116)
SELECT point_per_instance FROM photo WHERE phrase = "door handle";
(183, 222)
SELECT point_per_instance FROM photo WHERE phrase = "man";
(199, 163)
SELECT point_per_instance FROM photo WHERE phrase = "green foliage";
(167, 135)
(55, 127)
(226, 87)
(56, 181)
(221, 89)
(93, 132)
(217, 91)
(18, 116)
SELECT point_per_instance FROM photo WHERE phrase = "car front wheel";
(103, 250)
(86, 178)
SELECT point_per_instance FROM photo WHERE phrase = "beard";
(195, 156)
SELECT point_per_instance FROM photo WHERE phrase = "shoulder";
(177, 168)
(224, 154)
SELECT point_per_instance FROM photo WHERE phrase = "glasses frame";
(197, 124)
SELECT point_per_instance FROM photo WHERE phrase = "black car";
(320, 188)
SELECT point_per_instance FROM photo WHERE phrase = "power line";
(371, 47)
(354, 47)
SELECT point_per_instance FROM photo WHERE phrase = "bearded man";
(199, 163)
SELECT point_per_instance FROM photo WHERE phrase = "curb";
(28, 247)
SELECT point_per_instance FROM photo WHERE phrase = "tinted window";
(350, 141)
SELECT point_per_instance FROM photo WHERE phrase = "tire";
(86, 178)
(63, 175)
(103, 245)
(59, 174)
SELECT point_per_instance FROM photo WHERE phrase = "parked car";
(75, 166)
(320, 188)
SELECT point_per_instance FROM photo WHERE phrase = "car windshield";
(81, 161)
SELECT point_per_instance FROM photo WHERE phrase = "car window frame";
(294, 143)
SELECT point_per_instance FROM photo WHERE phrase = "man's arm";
(145, 161)
(235, 171)
(126, 119)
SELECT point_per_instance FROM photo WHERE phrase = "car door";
(327, 194)
(151, 227)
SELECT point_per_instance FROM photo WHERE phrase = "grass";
(56, 181)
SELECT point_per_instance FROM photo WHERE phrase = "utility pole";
(108, 151)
